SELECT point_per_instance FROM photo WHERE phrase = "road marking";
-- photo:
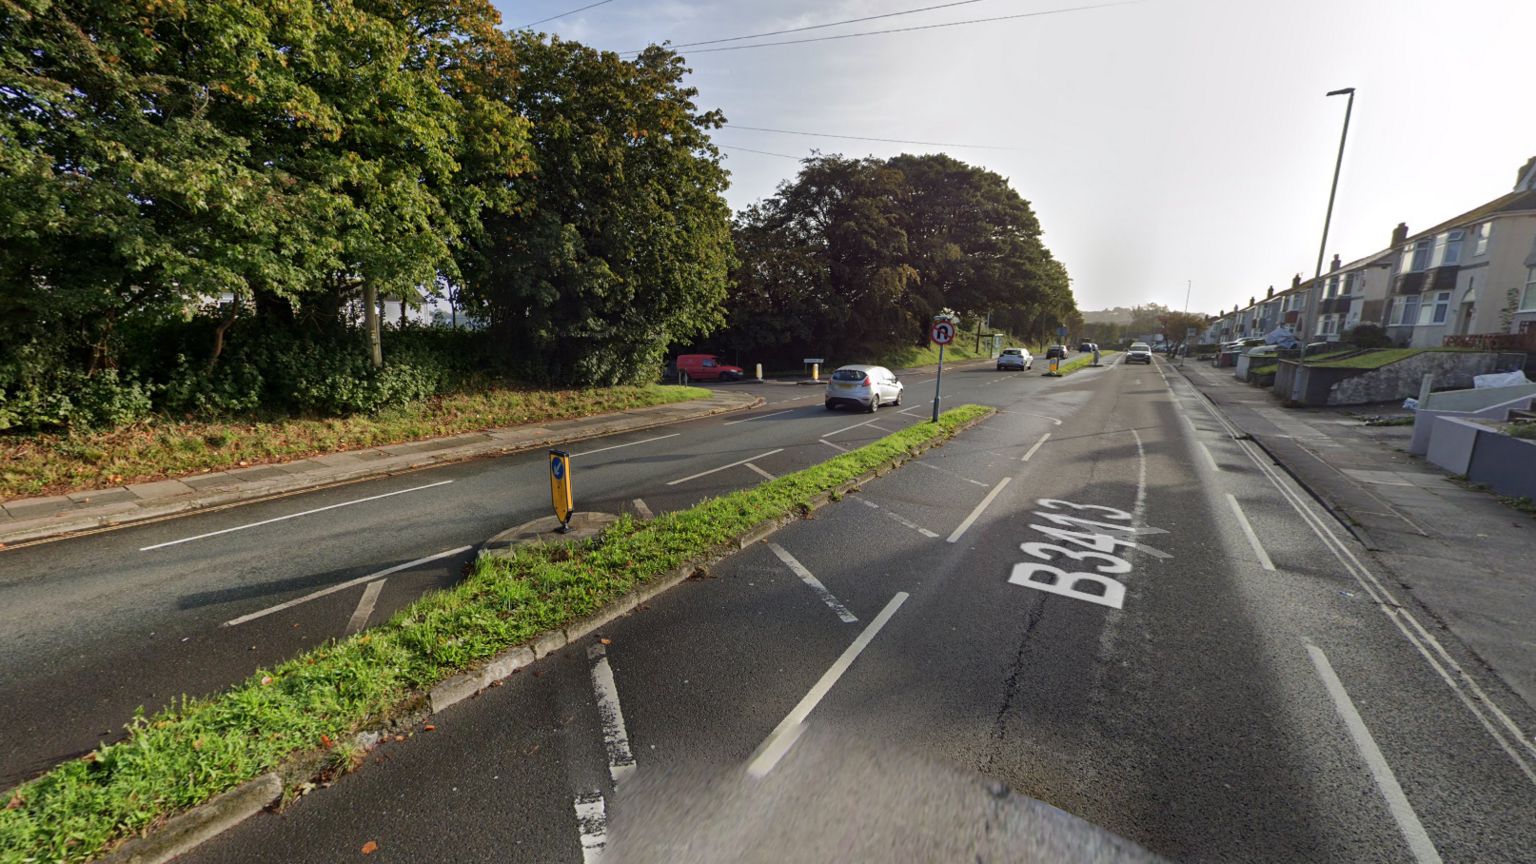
(821, 590)
(1434, 654)
(879, 428)
(1253, 539)
(764, 474)
(1139, 509)
(619, 446)
(621, 760)
(788, 731)
(760, 417)
(722, 467)
(365, 606)
(833, 446)
(1407, 821)
(644, 511)
(1209, 456)
(295, 515)
(1033, 414)
(1192, 427)
(902, 520)
(592, 821)
(947, 473)
(342, 586)
(846, 428)
(979, 507)
(1031, 452)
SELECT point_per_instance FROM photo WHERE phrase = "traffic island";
(319, 714)
(581, 527)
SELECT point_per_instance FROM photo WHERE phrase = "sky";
(1167, 146)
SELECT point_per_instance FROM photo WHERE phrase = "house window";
(1447, 250)
(1416, 257)
(1351, 280)
(1483, 232)
(1528, 299)
(1407, 312)
(1442, 306)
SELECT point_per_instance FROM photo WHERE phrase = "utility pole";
(1332, 190)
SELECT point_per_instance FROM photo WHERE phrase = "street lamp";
(1335, 187)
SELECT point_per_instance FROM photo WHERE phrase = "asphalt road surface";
(1097, 599)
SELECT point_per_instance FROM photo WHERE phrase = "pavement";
(25, 519)
(1098, 607)
(1462, 556)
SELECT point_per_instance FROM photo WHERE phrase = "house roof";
(1511, 202)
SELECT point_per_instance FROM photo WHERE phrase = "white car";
(1015, 358)
(1140, 352)
(866, 387)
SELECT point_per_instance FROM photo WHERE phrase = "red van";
(706, 367)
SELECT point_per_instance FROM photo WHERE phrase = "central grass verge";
(190, 752)
(1081, 361)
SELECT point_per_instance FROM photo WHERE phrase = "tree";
(620, 241)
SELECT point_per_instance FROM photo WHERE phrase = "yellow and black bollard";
(560, 487)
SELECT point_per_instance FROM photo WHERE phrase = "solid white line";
(902, 520)
(932, 467)
(879, 428)
(1473, 698)
(760, 471)
(1253, 539)
(1031, 452)
(592, 821)
(979, 507)
(644, 511)
(343, 586)
(621, 760)
(759, 417)
(295, 515)
(1209, 456)
(821, 590)
(846, 428)
(779, 740)
(365, 605)
(619, 446)
(833, 446)
(722, 467)
(1407, 821)
(1139, 510)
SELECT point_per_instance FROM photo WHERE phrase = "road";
(1252, 695)
(94, 627)
(1097, 597)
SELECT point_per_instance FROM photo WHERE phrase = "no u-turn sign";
(942, 332)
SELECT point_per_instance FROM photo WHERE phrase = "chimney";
(1399, 234)
(1336, 263)
(1271, 291)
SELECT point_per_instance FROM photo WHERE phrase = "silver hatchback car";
(1015, 358)
(866, 387)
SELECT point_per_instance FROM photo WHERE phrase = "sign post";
(560, 487)
(942, 333)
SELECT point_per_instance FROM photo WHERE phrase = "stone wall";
(1452, 369)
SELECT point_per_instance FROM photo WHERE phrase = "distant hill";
(1120, 314)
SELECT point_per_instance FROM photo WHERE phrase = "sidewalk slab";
(29, 519)
(1465, 557)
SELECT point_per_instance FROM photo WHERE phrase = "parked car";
(1085, 346)
(1015, 358)
(1056, 352)
(1140, 352)
(866, 387)
(707, 367)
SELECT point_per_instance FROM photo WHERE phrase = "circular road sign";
(942, 333)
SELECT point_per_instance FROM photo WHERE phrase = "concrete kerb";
(110, 516)
(187, 830)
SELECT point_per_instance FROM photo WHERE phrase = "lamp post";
(1332, 190)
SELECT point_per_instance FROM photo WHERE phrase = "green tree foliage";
(854, 257)
(620, 240)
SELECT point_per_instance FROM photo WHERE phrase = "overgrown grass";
(1376, 359)
(44, 464)
(1522, 430)
(1261, 371)
(190, 752)
(1067, 367)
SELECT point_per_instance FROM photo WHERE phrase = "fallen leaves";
(370, 847)
(265, 679)
(14, 802)
(605, 641)
(429, 728)
(325, 741)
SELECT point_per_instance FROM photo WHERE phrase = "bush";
(1368, 336)
(69, 399)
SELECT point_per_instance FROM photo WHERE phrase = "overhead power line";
(866, 138)
(915, 28)
(568, 12)
(820, 26)
(759, 152)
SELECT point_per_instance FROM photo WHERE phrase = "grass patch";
(1067, 367)
(1261, 371)
(48, 464)
(1405, 420)
(1376, 359)
(190, 752)
(1522, 430)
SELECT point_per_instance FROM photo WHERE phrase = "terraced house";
(1471, 280)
